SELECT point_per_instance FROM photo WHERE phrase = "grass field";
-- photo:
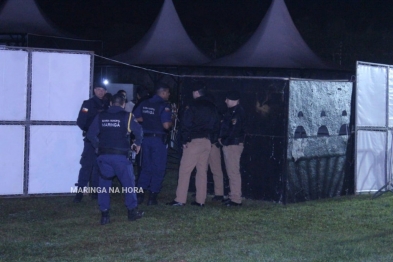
(351, 228)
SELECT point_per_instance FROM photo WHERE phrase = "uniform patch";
(167, 109)
(234, 120)
(85, 110)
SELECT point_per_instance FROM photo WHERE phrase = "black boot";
(78, 197)
(152, 199)
(134, 214)
(105, 217)
(140, 197)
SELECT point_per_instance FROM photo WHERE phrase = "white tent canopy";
(275, 44)
(166, 43)
(24, 16)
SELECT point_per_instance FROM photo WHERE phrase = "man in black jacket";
(232, 139)
(199, 120)
(89, 170)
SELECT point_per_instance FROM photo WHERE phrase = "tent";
(298, 144)
(22, 23)
(166, 43)
(275, 44)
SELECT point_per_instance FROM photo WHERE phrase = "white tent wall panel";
(13, 84)
(40, 143)
(54, 158)
(371, 159)
(390, 83)
(371, 96)
(60, 82)
(12, 159)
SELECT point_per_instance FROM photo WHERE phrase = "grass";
(350, 228)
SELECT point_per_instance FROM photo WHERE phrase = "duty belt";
(111, 151)
(153, 135)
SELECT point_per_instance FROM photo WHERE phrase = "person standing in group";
(109, 134)
(129, 104)
(155, 114)
(231, 137)
(198, 122)
(141, 95)
(89, 170)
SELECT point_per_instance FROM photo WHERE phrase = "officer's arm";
(186, 125)
(166, 116)
(93, 132)
(138, 114)
(83, 116)
(223, 129)
(167, 125)
(137, 130)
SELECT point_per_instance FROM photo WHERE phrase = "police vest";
(151, 113)
(113, 130)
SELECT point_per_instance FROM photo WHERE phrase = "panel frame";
(387, 129)
(28, 122)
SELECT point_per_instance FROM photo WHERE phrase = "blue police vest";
(151, 113)
(113, 131)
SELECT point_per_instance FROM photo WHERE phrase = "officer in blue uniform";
(109, 133)
(89, 170)
(155, 114)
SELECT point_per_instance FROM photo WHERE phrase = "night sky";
(342, 31)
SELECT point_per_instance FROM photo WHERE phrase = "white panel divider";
(13, 84)
(12, 144)
(59, 82)
(54, 158)
(374, 119)
(40, 143)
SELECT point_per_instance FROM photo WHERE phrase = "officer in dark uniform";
(89, 170)
(109, 133)
(199, 121)
(155, 114)
(232, 139)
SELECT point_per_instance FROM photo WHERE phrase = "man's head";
(163, 91)
(123, 93)
(142, 93)
(232, 99)
(118, 100)
(99, 91)
(198, 89)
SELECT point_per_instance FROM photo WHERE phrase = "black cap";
(233, 95)
(198, 86)
(98, 85)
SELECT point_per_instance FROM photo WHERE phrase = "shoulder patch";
(84, 110)
(167, 109)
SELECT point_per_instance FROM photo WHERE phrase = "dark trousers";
(111, 166)
(89, 169)
(154, 156)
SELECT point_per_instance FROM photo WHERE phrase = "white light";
(105, 81)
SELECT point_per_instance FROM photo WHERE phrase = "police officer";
(109, 134)
(232, 139)
(89, 170)
(199, 120)
(155, 114)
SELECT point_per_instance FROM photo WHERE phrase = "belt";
(153, 135)
(111, 151)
